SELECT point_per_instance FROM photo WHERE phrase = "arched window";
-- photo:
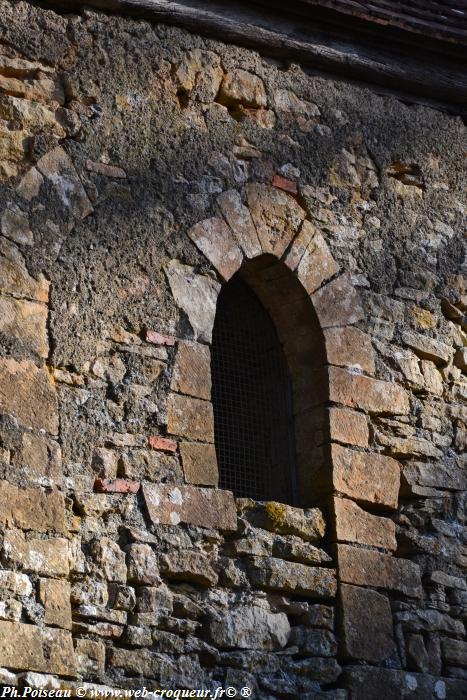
(252, 399)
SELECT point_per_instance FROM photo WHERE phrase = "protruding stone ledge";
(364, 567)
(365, 476)
(168, 504)
(291, 577)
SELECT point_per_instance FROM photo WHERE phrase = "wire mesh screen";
(251, 397)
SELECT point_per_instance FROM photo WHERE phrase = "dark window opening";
(251, 396)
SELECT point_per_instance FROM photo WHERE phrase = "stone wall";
(141, 167)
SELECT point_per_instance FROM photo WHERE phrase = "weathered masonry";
(233, 350)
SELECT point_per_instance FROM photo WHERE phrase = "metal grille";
(251, 398)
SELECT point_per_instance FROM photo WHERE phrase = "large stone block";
(190, 417)
(27, 392)
(276, 215)
(25, 321)
(55, 597)
(193, 567)
(292, 577)
(316, 265)
(199, 463)
(46, 557)
(364, 567)
(192, 370)
(215, 239)
(248, 627)
(428, 348)
(168, 504)
(239, 219)
(196, 295)
(337, 303)
(353, 524)
(349, 427)
(349, 347)
(32, 509)
(365, 476)
(372, 395)
(367, 632)
(307, 524)
(366, 683)
(45, 650)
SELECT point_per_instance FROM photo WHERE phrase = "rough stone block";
(248, 627)
(48, 557)
(239, 219)
(169, 504)
(27, 392)
(55, 597)
(353, 524)
(291, 577)
(109, 559)
(32, 509)
(196, 295)
(455, 652)
(364, 567)
(15, 278)
(199, 463)
(365, 476)
(90, 657)
(142, 565)
(276, 215)
(349, 427)
(367, 632)
(428, 348)
(313, 642)
(20, 584)
(337, 303)
(366, 683)
(36, 649)
(26, 321)
(190, 417)
(316, 264)
(39, 458)
(57, 167)
(241, 87)
(192, 371)
(349, 347)
(193, 567)
(372, 395)
(307, 524)
(215, 239)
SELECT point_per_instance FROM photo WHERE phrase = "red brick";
(282, 183)
(158, 338)
(116, 486)
(161, 443)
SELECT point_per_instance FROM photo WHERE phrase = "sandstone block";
(20, 584)
(199, 74)
(349, 427)
(241, 87)
(27, 392)
(319, 615)
(349, 347)
(292, 577)
(353, 524)
(10, 609)
(190, 417)
(313, 642)
(307, 524)
(337, 303)
(192, 371)
(188, 566)
(141, 662)
(142, 565)
(32, 509)
(367, 631)
(40, 458)
(239, 219)
(428, 348)
(367, 683)
(367, 477)
(248, 627)
(155, 599)
(15, 225)
(215, 239)
(316, 264)
(437, 476)
(48, 557)
(460, 359)
(109, 559)
(151, 466)
(15, 278)
(55, 597)
(276, 215)
(30, 185)
(196, 295)
(455, 652)
(90, 657)
(36, 649)
(170, 505)
(369, 568)
(372, 395)
(199, 463)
